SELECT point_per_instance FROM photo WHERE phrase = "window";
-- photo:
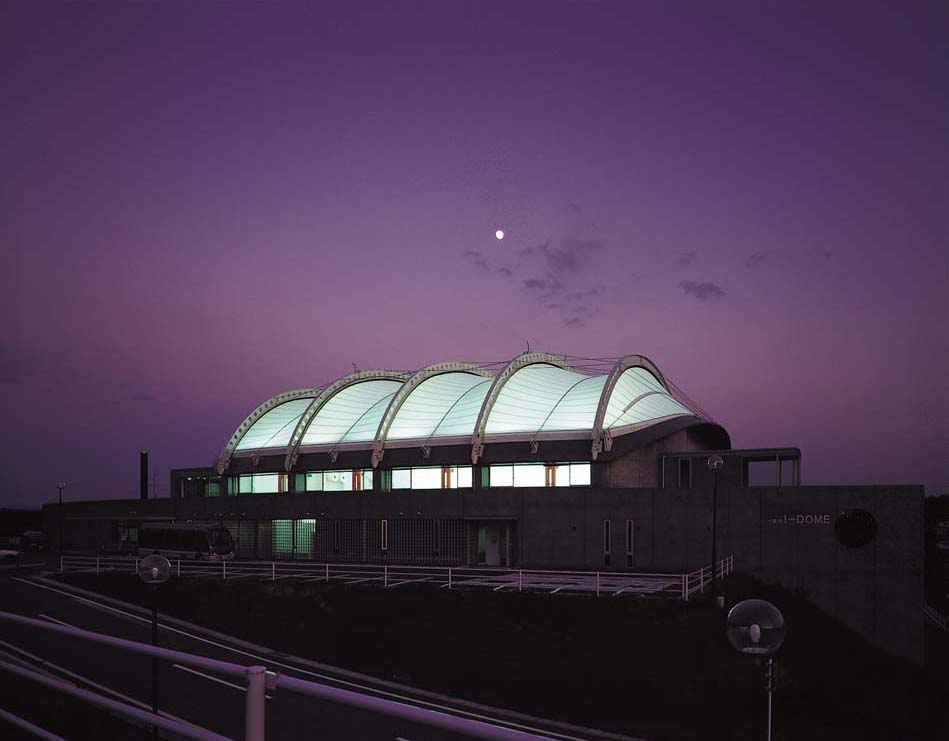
(303, 538)
(432, 477)
(359, 479)
(629, 543)
(685, 473)
(262, 483)
(607, 540)
(540, 474)
(385, 535)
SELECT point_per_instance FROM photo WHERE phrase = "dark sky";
(203, 204)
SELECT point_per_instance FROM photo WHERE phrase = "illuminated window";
(540, 474)
(359, 479)
(432, 477)
(262, 483)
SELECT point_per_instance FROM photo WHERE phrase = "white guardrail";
(257, 679)
(681, 585)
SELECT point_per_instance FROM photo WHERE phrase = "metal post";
(179, 568)
(273, 571)
(254, 703)
(327, 572)
(385, 575)
(97, 566)
(61, 563)
(685, 587)
(597, 583)
(770, 689)
(449, 577)
(155, 658)
(520, 580)
(224, 568)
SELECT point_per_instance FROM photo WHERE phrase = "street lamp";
(756, 628)
(715, 462)
(60, 485)
(154, 570)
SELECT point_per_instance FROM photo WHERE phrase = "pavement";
(200, 697)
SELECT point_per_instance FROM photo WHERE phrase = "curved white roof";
(535, 396)
(273, 429)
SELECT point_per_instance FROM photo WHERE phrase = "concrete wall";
(785, 536)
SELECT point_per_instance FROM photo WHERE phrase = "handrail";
(185, 729)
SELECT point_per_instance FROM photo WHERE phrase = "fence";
(682, 585)
(257, 681)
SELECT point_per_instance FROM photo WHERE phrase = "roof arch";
(623, 390)
(521, 361)
(256, 416)
(325, 396)
(441, 402)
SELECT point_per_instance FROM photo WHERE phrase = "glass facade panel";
(579, 474)
(531, 474)
(273, 429)
(427, 478)
(464, 477)
(502, 476)
(303, 538)
(402, 478)
(338, 481)
(314, 481)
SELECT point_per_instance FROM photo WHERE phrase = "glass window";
(502, 476)
(246, 485)
(402, 478)
(337, 481)
(314, 481)
(579, 474)
(464, 477)
(530, 474)
(366, 479)
(427, 478)
(303, 542)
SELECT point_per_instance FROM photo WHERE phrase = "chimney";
(143, 469)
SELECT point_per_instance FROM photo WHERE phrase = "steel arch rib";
(619, 368)
(430, 371)
(224, 459)
(521, 361)
(293, 449)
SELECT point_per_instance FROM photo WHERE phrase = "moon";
(499, 234)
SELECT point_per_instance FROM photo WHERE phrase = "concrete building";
(542, 462)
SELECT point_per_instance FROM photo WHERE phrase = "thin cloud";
(757, 260)
(702, 290)
(547, 285)
(686, 258)
(476, 258)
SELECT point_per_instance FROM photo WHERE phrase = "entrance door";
(489, 545)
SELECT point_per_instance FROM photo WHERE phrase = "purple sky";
(204, 204)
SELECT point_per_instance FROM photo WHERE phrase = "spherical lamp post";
(154, 570)
(756, 628)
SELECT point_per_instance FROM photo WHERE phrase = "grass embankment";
(655, 669)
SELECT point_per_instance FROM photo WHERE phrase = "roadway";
(213, 702)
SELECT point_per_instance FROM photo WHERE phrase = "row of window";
(418, 477)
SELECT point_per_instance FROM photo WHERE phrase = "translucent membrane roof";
(441, 406)
(536, 394)
(273, 429)
(545, 398)
(638, 397)
(352, 415)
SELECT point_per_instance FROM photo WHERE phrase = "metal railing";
(681, 585)
(257, 681)
(936, 617)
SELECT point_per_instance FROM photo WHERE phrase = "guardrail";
(936, 617)
(615, 583)
(257, 680)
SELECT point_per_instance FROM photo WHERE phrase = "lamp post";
(154, 570)
(715, 462)
(60, 485)
(756, 628)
